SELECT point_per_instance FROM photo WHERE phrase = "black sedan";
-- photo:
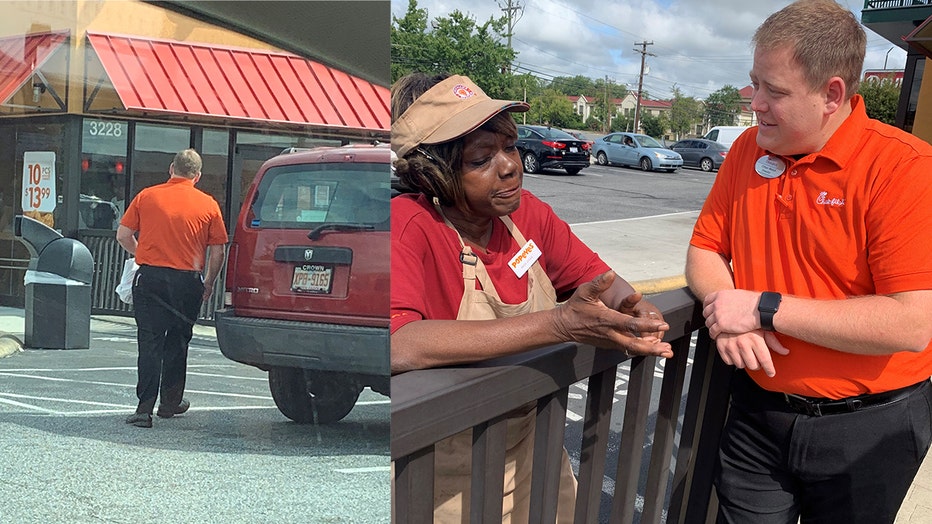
(699, 152)
(547, 147)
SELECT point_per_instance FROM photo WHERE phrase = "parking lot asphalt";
(232, 458)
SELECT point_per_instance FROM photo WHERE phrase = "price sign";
(39, 181)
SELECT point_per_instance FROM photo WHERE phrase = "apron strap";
(472, 266)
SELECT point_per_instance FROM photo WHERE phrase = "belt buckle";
(807, 406)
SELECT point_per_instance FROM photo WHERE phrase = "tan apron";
(453, 455)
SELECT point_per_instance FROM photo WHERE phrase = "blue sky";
(700, 45)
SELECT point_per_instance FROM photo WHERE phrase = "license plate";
(574, 150)
(312, 279)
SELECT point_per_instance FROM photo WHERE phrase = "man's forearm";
(707, 271)
(215, 256)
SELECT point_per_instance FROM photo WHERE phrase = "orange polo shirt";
(853, 219)
(176, 223)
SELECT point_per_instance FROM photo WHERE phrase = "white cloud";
(700, 46)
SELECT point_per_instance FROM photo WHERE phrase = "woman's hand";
(637, 328)
(635, 306)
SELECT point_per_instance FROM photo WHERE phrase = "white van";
(725, 135)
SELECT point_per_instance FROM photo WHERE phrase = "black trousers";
(166, 304)
(777, 466)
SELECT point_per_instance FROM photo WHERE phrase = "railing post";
(413, 488)
(633, 434)
(594, 447)
(548, 456)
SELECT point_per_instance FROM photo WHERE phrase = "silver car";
(630, 149)
(699, 152)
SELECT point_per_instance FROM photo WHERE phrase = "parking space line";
(373, 469)
(22, 405)
(111, 368)
(62, 400)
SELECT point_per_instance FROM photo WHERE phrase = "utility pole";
(514, 12)
(637, 107)
(608, 118)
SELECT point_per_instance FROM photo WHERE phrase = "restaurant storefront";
(94, 105)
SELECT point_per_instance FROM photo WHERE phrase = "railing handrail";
(894, 4)
(430, 405)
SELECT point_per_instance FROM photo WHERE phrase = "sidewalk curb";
(659, 285)
(9, 344)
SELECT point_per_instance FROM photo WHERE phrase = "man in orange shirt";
(811, 258)
(176, 225)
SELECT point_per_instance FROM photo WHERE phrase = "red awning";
(21, 56)
(184, 78)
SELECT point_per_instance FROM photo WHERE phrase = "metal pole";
(637, 107)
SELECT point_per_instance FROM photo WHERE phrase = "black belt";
(816, 407)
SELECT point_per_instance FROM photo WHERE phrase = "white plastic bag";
(125, 288)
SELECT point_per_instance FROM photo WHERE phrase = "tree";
(573, 85)
(454, 44)
(881, 98)
(553, 108)
(652, 125)
(685, 112)
(722, 106)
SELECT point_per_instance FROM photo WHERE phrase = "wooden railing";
(429, 405)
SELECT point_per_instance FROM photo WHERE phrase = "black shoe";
(140, 420)
(167, 412)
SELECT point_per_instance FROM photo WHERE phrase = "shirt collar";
(845, 141)
(180, 180)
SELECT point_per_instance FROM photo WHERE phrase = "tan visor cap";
(447, 111)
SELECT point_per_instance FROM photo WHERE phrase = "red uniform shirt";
(427, 276)
(176, 223)
(853, 219)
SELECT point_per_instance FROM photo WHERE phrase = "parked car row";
(545, 147)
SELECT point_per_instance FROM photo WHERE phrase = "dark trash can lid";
(68, 258)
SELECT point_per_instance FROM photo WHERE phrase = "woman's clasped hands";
(636, 327)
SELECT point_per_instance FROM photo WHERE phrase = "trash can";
(58, 288)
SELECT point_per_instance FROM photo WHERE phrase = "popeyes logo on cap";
(462, 91)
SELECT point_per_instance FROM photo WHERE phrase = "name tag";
(527, 255)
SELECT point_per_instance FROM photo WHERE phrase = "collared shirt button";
(789, 198)
(793, 173)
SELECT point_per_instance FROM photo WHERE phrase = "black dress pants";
(777, 465)
(166, 304)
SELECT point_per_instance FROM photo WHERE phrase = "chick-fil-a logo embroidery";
(824, 200)
(462, 91)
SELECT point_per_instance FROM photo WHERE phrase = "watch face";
(769, 302)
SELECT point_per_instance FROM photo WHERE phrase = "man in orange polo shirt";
(811, 257)
(176, 225)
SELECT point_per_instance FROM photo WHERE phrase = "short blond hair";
(187, 163)
(826, 38)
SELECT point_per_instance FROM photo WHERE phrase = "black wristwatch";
(767, 307)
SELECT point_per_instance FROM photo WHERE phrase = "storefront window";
(156, 146)
(215, 152)
(103, 173)
(19, 142)
(255, 148)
